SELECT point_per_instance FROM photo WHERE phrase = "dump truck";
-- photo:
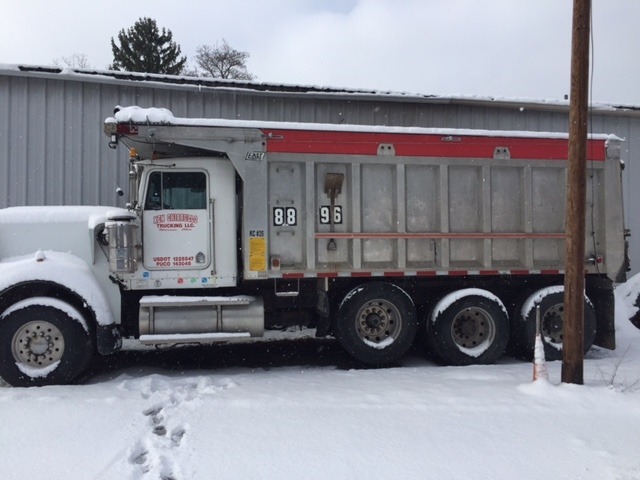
(382, 237)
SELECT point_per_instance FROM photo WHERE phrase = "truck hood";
(25, 230)
(91, 216)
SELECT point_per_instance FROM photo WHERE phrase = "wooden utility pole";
(573, 335)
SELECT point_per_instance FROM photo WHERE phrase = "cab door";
(177, 221)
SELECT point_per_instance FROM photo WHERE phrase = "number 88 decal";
(285, 216)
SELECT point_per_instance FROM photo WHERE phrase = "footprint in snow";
(153, 459)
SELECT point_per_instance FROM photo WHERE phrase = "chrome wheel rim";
(378, 321)
(473, 327)
(38, 344)
(552, 329)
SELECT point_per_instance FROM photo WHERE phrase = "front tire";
(376, 323)
(42, 345)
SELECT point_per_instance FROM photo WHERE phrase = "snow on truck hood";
(57, 267)
(68, 214)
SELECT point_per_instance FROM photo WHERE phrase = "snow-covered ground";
(175, 417)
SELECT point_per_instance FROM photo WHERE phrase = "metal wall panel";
(53, 151)
(5, 154)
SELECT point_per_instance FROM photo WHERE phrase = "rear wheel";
(468, 327)
(42, 345)
(376, 323)
(551, 302)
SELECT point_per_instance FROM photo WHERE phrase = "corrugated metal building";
(53, 151)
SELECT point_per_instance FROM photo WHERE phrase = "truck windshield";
(176, 191)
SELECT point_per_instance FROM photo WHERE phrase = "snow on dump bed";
(164, 116)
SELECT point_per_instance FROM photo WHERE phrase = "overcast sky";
(499, 48)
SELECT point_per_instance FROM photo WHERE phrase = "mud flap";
(600, 291)
(108, 339)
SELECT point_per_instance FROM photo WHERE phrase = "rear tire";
(376, 323)
(466, 328)
(551, 324)
(42, 345)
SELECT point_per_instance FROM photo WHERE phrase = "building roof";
(280, 89)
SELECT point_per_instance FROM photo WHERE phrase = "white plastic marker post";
(539, 362)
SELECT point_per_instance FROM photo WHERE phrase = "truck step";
(175, 301)
(178, 338)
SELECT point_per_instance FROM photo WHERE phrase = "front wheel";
(376, 323)
(42, 345)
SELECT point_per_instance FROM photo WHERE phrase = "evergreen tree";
(143, 48)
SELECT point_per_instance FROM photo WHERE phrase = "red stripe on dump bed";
(419, 145)
(428, 273)
(360, 274)
(454, 236)
(458, 273)
(327, 274)
(292, 275)
(126, 129)
(419, 273)
(394, 274)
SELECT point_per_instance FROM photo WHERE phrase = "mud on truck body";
(374, 235)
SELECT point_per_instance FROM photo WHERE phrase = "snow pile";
(143, 115)
(628, 336)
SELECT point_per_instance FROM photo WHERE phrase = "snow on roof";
(283, 88)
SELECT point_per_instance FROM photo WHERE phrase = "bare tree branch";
(223, 61)
(75, 60)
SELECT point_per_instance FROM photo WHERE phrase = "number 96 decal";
(325, 215)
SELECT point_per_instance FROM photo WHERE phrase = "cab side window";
(176, 191)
